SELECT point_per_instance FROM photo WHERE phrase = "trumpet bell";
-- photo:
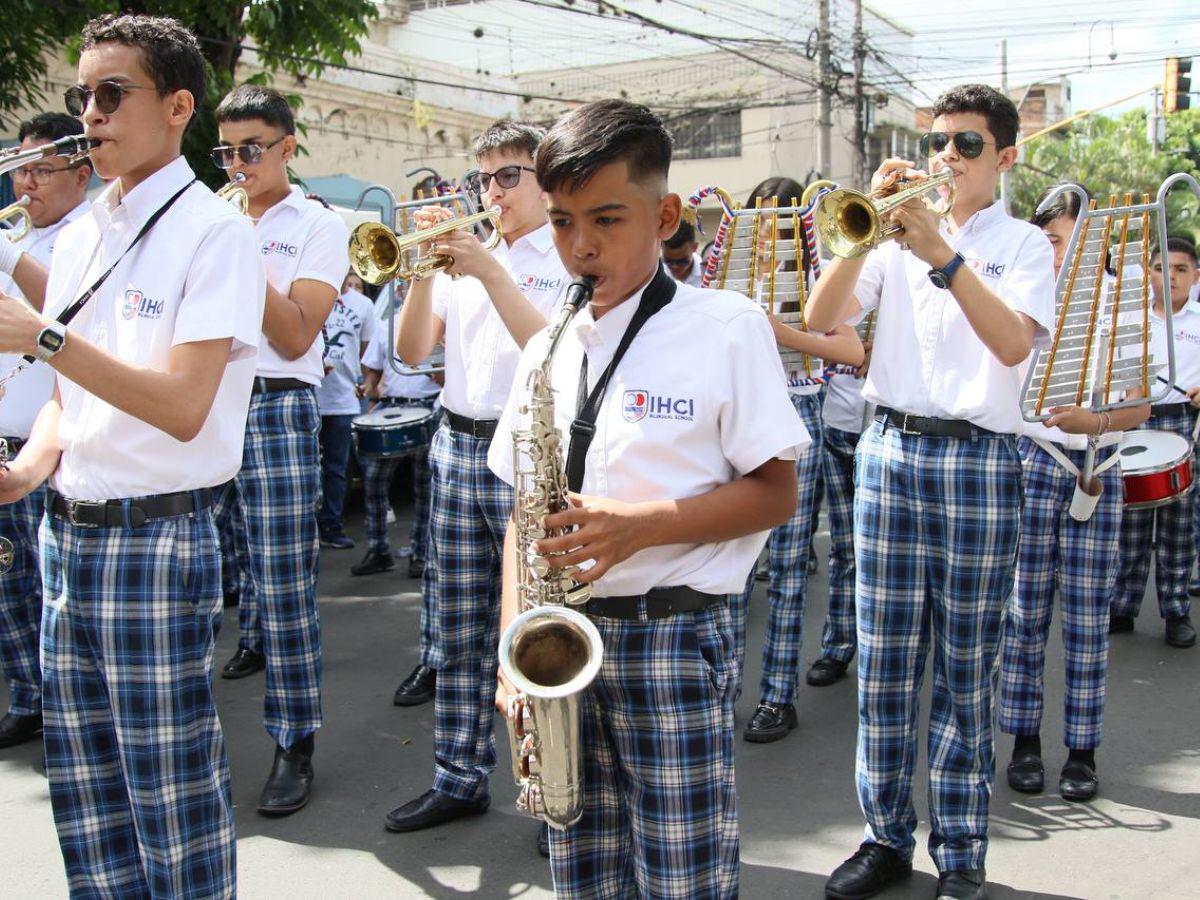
(851, 223)
(374, 253)
(18, 215)
(378, 254)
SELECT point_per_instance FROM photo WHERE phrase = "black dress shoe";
(1120, 624)
(872, 868)
(432, 808)
(417, 688)
(416, 567)
(962, 884)
(770, 722)
(826, 671)
(337, 540)
(1027, 774)
(290, 783)
(17, 729)
(374, 563)
(244, 663)
(1078, 782)
(544, 840)
(1180, 632)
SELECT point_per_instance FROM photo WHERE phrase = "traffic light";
(1177, 85)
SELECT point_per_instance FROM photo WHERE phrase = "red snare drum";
(1156, 467)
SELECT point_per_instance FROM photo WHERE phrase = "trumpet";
(236, 194)
(18, 214)
(378, 254)
(852, 223)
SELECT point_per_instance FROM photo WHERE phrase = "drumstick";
(1172, 386)
(1196, 429)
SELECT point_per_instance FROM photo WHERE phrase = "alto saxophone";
(549, 653)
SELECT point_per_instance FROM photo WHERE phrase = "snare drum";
(393, 430)
(1156, 467)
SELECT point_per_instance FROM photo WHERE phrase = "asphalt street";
(799, 814)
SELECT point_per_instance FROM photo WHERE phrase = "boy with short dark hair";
(688, 470)
(938, 491)
(304, 247)
(1169, 528)
(680, 257)
(147, 418)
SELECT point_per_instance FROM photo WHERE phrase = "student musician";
(57, 192)
(688, 469)
(163, 288)
(304, 247)
(938, 492)
(680, 257)
(1168, 529)
(1057, 551)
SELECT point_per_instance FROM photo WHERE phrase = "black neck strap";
(658, 293)
(73, 310)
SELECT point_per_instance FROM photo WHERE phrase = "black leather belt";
(14, 445)
(120, 513)
(275, 385)
(930, 426)
(1170, 409)
(478, 428)
(660, 603)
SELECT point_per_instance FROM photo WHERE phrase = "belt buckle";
(478, 429)
(74, 505)
(904, 429)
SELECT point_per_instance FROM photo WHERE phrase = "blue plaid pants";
(231, 531)
(470, 513)
(21, 604)
(276, 493)
(660, 805)
(838, 637)
(139, 781)
(787, 550)
(377, 479)
(936, 522)
(1056, 551)
(1168, 532)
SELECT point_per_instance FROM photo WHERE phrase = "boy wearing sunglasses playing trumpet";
(303, 246)
(959, 306)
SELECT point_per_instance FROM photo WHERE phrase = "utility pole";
(1153, 120)
(825, 96)
(1004, 90)
(860, 129)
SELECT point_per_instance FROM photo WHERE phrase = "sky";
(1109, 48)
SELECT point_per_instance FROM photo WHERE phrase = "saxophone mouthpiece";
(580, 291)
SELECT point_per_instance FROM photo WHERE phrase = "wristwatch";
(50, 340)
(941, 277)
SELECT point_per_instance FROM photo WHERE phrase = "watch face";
(50, 341)
(938, 279)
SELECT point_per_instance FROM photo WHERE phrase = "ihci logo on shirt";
(639, 404)
(534, 283)
(135, 303)
(279, 247)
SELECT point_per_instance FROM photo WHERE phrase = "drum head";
(392, 417)
(1149, 450)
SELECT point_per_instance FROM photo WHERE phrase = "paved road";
(799, 815)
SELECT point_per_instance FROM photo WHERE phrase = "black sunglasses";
(249, 154)
(107, 94)
(969, 144)
(506, 176)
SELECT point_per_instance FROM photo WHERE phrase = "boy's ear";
(289, 147)
(1007, 158)
(183, 105)
(670, 208)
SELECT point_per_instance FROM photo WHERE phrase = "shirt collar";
(145, 199)
(295, 199)
(611, 326)
(981, 220)
(70, 217)
(541, 239)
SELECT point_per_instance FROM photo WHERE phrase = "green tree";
(1112, 155)
(297, 37)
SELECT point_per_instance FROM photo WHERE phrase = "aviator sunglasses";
(107, 94)
(250, 154)
(969, 144)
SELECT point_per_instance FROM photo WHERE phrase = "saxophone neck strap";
(658, 294)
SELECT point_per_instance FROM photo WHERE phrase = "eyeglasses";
(969, 144)
(506, 176)
(107, 94)
(249, 154)
(41, 174)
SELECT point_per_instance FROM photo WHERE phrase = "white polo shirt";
(669, 429)
(481, 356)
(351, 324)
(194, 277)
(392, 383)
(696, 275)
(1186, 326)
(28, 392)
(300, 239)
(927, 359)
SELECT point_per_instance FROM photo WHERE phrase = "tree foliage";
(1112, 155)
(297, 37)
